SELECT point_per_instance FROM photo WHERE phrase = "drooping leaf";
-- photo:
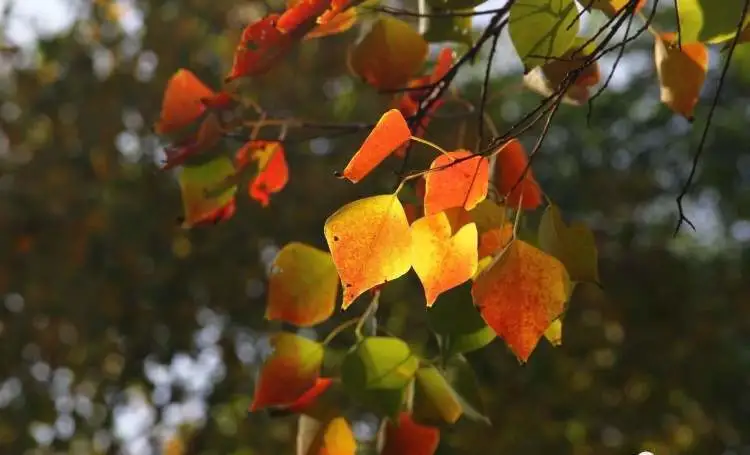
(610, 7)
(389, 133)
(389, 55)
(370, 242)
(435, 401)
(377, 371)
(182, 104)
(441, 257)
(409, 438)
(553, 334)
(459, 325)
(709, 21)
(331, 437)
(273, 173)
(521, 294)
(455, 29)
(456, 179)
(291, 370)
(541, 29)
(196, 182)
(573, 245)
(681, 71)
(260, 47)
(511, 164)
(303, 285)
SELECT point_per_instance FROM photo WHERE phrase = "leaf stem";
(338, 330)
(370, 311)
(429, 144)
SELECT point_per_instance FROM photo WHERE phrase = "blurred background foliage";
(120, 332)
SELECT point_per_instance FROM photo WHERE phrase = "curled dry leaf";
(370, 242)
(182, 104)
(389, 133)
(456, 179)
(511, 164)
(682, 72)
(409, 438)
(303, 286)
(520, 294)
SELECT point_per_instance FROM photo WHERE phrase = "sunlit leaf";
(197, 184)
(332, 437)
(409, 438)
(389, 133)
(573, 245)
(456, 179)
(289, 372)
(553, 334)
(339, 23)
(435, 401)
(493, 241)
(682, 72)
(456, 29)
(260, 47)
(541, 29)
(389, 55)
(273, 173)
(709, 21)
(303, 285)
(511, 164)
(610, 7)
(182, 102)
(300, 11)
(458, 323)
(521, 294)
(441, 257)
(370, 242)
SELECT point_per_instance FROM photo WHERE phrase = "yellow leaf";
(442, 258)
(573, 245)
(302, 287)
(198, 182)
(682, 72)
(553, 334)
(370, 242)
(333, 437)
(520, 294)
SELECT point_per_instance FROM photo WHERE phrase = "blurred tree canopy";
(120, 331)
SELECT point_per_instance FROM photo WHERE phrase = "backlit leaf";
(682, 72)
(182, 102)
(389, 133)
(709, 21)
(511, 164)
(493, 241)
(456, 179)
(540, 29)
(370, 242)
(409, 438)
(273, 173)
(441, 257)
(260, 47)
(435, 401)
(196, 182)
(300, 11)
(553, 334)
(303, 285)
(291, 370)
(389, 55)
(610, 7)
(521, 294)
(333, 437)
(308, 400)
(574, 246)
(339, 23)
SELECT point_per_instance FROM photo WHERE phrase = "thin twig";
(485, 87)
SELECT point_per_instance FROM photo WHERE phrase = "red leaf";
(299, 12)
(260, 47)
(409, 438)
(273, 173)
(511, 163)
(308, 398)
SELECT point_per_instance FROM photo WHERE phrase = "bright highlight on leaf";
(521, 294)
(441, 257)
(409, 438)
(512, 162)
(339, 23)
(456, 179)
(682, 72)
(553, 334)
(370, 242)
(542, 29)
(434, 398)
(197, 184)
(182, 102)
(709, 21)
(389, 133)
(333, 437)
(289, 372)
(260, 47)
(303, 286)
(391, 54)
(573, 245)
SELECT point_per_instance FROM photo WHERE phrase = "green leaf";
(198, 183)
(377, 371)
(454, 4)
(709, 21)
(460, 375)
(574, 246)
(460, 325)
(467, 342)
(435, 401)
(455, 29)
(540, 28)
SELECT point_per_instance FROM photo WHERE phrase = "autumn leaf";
(573, 59)
(610, 7)
(182, 102)
(389, 55)
(332, 437)
(573, 245)
(409, 438)
(441, 257)
(494, 240)
(339, 23)
(434, 398)
(302, 287)
(273, 173)
(289, 372)
(553, 334)
(707, 21)
(520, 295)
(261, 46)
(197, 184)
(511, 164)
(537, 82)
(370, 242)
(682, 72)
(456, 179)
(298, 12)
(389, 133)
(308, 399)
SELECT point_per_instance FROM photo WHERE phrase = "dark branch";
(485, 88)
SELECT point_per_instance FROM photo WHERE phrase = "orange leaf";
(443, 257)
(260, 47)
(511, 164)
(681, 72)
(443, 65)
(339, 23)
(370, 242)
(409, 438)
(494, 240)
(389, 133)
(290, 372)
(299, 12)
(332, 437)
(460, 184)
(273, 173)
(520, 294)
(182, 102)
(303, 286)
